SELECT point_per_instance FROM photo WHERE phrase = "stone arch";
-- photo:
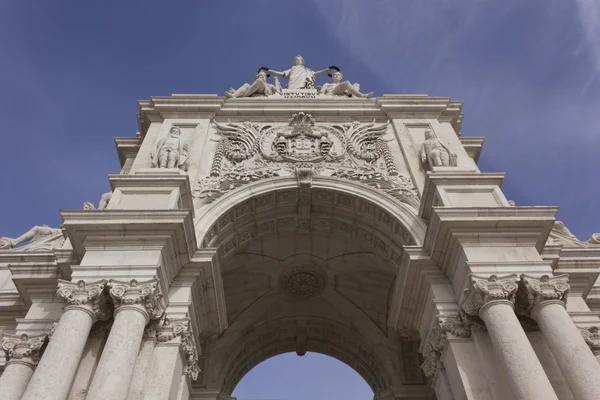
(399, 218)
(367, 224)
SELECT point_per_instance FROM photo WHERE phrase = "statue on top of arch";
(299, 77)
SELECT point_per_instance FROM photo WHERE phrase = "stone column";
(23, 353)
(56, 370)
(547, 301)
(136, 303)
(143, 364)
(592, 338)
(492, 298)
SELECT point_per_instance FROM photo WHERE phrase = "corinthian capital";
(545, 288)
(143, 294)
(23, 348)
(85, 295)
(444, 328)
(592, 338)
(483, 289)
(172, 328)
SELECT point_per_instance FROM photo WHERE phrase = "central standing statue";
(299, 76)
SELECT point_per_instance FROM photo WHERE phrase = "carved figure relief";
(248, 152)
(171, 152)
(435, 153)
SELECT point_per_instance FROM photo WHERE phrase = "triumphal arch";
(294, 215)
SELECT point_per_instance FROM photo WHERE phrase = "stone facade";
(300, 219)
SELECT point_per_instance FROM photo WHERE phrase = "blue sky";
(71, 72)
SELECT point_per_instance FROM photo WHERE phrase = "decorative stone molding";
(483, 290)
(168, 330)
(444, 328)
(543, 289)
(82, 294)
(592, 338)
(304, 281)
(133, 292)
(23, 348)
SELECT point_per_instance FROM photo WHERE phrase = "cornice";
(583, 266)
(122, 227)
(454, 226)
(348, 109)
(154, 181)
(422, 106)
(472, 146)
(453, 178)
(158, 108)
(127, 147)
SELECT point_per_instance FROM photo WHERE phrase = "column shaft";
(142, 369)
(14, 380)
(577, 363)
(136, 303)
(55, 373)
(527, 378)
(115, 370)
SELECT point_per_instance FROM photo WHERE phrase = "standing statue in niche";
(299, 76)
(260, 87)
(435, 153)
(171, 152)
(339, 88)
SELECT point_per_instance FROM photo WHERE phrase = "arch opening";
(324, 378)
(309, 270)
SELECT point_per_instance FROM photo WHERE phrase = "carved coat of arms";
(249, 152)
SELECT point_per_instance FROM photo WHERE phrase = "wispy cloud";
(525, 71)
(589, 16)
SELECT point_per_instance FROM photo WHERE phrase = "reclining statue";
(104, 199)
(339, 88)
(34, 235)
(260, 87)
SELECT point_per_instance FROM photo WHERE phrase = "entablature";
(423, 106)
(159, 108)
